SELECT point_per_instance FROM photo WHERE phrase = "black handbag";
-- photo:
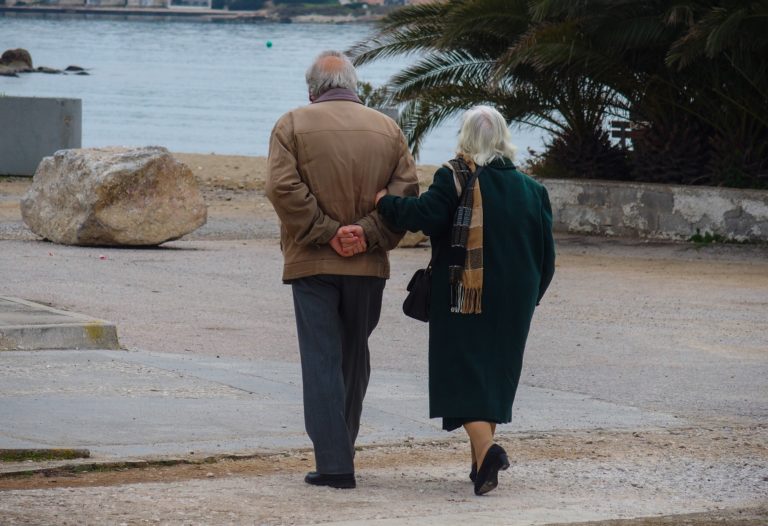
(416, 304)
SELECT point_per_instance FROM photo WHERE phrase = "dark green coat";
(475, 359)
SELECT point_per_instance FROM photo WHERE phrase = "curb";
(111, 465)
(21, 455)
(28, 326)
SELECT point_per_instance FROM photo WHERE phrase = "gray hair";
(484, 136)
(331, 69)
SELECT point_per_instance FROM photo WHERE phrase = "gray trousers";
(335, 315)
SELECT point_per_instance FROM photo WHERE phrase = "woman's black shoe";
(488, 474)
(338, 481)
(473, 472)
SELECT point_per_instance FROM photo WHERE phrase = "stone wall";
(656, 211)
(33, 127)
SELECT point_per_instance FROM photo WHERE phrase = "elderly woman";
(493, 258)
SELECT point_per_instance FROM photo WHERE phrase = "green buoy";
(269, 43)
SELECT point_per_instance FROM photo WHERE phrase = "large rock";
(113, 196)
(413, 239)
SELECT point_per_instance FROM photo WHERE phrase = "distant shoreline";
(184, 14)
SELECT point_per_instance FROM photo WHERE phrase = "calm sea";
(192, 87)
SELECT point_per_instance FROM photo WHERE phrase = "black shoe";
(338, 481)
(473, 472)
(488, 474)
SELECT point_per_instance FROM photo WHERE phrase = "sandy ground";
(668, 328)
(623, 474)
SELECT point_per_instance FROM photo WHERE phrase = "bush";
(581, 155)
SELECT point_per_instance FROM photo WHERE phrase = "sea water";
(192, 86)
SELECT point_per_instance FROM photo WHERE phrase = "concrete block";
(27, 326)
(34, 127)
(657, 211)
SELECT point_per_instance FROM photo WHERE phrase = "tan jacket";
(326, 163)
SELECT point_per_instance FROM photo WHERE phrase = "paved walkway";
(645, 391)
(130, 404)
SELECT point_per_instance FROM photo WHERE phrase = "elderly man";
(327, 161)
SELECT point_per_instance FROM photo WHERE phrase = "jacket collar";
(502, 162)
(338, 94)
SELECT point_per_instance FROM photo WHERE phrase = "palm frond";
(406, 41)
(738, 29)
(724, 28)
(418, 118)
(444, 69)
(414, 14)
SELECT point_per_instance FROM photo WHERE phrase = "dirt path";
(627, 473)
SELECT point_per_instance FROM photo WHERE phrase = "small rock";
(209, 475)
(50, 71)
(74, 68)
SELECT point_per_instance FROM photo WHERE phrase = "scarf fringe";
(465, 300)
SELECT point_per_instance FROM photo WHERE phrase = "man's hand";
(349, 241)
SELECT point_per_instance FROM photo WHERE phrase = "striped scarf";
(465, 264)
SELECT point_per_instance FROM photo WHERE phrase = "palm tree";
(691, 75)
(724, 48)
(459, 44)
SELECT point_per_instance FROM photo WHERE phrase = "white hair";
(323, 74)
(484, 136)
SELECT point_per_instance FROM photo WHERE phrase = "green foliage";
(583, 155)
(690, 76)
(711, 238)
(370, 96)
(707, 238)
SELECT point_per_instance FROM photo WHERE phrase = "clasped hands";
(350, 239)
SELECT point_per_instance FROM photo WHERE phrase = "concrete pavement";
(644, 391)
(138, 404)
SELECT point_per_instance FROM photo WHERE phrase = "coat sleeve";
(548, 241)
(292, 199)
(432, 212)
(402, 182)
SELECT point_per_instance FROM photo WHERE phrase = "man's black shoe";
(338, 481)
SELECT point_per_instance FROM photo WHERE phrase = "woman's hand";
(379, 195)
